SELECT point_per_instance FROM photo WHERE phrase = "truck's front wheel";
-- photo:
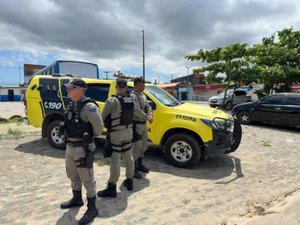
(182, 150)
(54, 137)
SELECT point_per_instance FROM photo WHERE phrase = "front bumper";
(214, 103)
(224, 142)
(220, 144)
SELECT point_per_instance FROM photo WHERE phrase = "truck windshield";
(162, 96)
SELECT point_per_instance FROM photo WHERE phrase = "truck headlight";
(220, 124)
(223, 124)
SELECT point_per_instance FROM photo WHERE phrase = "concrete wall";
(13, 94)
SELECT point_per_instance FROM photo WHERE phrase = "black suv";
(280, 108)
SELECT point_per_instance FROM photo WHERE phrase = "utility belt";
(87, 161)
(75, 143)
(118, 148)
(119, 127)
(109, 148)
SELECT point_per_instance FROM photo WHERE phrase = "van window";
(63, 88)
(129, 90)
(98, 92)
(48, 88)
(239, 92)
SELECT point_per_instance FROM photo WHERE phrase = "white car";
(240, 95)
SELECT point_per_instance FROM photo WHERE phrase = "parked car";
(241, 95)
(280, 108)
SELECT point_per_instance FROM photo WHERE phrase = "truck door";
(49, 91)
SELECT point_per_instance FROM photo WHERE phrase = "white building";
(12, 94)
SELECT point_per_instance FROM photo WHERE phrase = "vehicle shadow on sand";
(214, 168)
(40, 146)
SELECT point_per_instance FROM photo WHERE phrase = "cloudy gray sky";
(109, 32)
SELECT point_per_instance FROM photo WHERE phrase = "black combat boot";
(141, 167)
(128, 183)
(74, 202)
(91, 212)
(109, 191)
(136, 175)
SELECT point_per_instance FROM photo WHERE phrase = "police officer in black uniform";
(82, 123)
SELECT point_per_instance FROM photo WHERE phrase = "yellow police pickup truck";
(187, 132)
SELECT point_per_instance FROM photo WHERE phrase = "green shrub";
(14, 132)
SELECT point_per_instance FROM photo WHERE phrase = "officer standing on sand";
(140, 126)
(117, 115)
(82, 123)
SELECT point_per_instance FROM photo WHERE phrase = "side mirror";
(33, 87)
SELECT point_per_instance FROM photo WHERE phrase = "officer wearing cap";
(140, 128)
(82, 123)
(117, 115)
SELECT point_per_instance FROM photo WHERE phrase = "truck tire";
(182, 150)
(53, 136)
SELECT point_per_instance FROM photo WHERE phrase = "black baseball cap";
(138, 80)
(121, 82)
(76, 83)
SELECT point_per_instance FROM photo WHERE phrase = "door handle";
(277, 108)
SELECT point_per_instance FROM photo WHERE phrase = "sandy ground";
(8, 109)
(257, 184)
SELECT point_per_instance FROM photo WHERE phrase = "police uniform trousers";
(79, 175)
(118, 140)
(140, 146)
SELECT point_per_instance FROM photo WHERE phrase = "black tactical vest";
(126, 118)
(75, 126)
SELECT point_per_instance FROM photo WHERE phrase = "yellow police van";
(187, 132)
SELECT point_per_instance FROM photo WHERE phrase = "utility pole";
(19, 75)
(144, 55)
(106, 72)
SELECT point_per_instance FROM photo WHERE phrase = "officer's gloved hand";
(61, 128)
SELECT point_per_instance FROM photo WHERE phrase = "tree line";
(274, 61)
